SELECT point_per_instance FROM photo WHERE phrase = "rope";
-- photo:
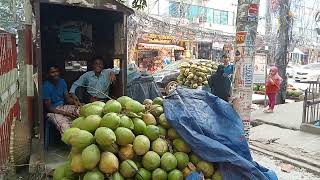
(95, 90)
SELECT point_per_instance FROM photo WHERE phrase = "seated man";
(56, 98)
(96, 82)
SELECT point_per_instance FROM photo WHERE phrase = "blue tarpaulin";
(143, 87)
(215, 133)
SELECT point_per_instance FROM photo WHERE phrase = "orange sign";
(241, 37)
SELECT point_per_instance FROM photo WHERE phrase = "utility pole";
(246, 30)
(282, 49)
(268, 32)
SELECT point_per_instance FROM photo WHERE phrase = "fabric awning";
(158, 46)
(297, 51)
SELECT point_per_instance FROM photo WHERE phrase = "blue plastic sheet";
(143, 87)
(215, 132)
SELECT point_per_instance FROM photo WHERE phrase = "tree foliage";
(11, 15)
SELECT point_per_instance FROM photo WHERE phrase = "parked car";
(290, 71)
(309, 72)
(166, 78)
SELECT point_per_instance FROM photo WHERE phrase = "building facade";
(212, 23)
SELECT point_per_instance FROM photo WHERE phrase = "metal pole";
(247, 22)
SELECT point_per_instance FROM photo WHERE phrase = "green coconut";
(194, 159)
(113, 148)
(90, 123)
(152, 132)
(163, 131)
(126, 122)
(91, 109)
(163, 121)
(116, 176)
(158, 101)
(134, 106)
(156, 110)
(112, 106)
(175, 175)
(81, 139)
(124, 136)
(105, 136)
(147, 102)
(76, 123)
(141, 145)
(68, 133)
(217, 175)
(182, 159)
(172, 134)
(109, 163)
(149, 119)
(206, 168)
(151, 160)
(143, 174)
(123, 100)
(99, 103)
(168, 161)
(181, 146)
(110, 120)
(77, 164)
(128, 168)
(160, 146)
(126, 152)
(139, 126)
(90, 157)
(59, 172)
(159, 174)
(93, 175)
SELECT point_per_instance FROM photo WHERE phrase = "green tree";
(11, 15)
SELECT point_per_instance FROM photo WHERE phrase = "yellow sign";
(158, 39)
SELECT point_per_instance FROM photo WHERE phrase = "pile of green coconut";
(124, 139)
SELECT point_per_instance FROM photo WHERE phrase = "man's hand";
(76, 100)
(70, 115)
(93, 99)
(112, 76)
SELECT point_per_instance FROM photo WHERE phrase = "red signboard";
(253, 9)
(9, 107)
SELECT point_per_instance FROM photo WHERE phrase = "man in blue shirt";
(56, 98)
(228, 68)
(96, 82)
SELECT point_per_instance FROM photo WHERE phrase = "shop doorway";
(72, 36)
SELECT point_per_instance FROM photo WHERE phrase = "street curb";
(257, 122)
(302, 163)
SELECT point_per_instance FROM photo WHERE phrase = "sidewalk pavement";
(279, 133)
(295, 147)
(286, 116)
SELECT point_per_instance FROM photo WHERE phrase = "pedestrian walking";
(273, 83)
(220, 84)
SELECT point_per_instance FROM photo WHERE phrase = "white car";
(310, 72)
(291, 70)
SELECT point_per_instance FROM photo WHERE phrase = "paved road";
(296, 173)
(298, 85)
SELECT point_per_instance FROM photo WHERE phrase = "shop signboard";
(260, 68)
(241, 38)
(157, 39)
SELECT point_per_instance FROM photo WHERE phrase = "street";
(297, 85)
(295, 173)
